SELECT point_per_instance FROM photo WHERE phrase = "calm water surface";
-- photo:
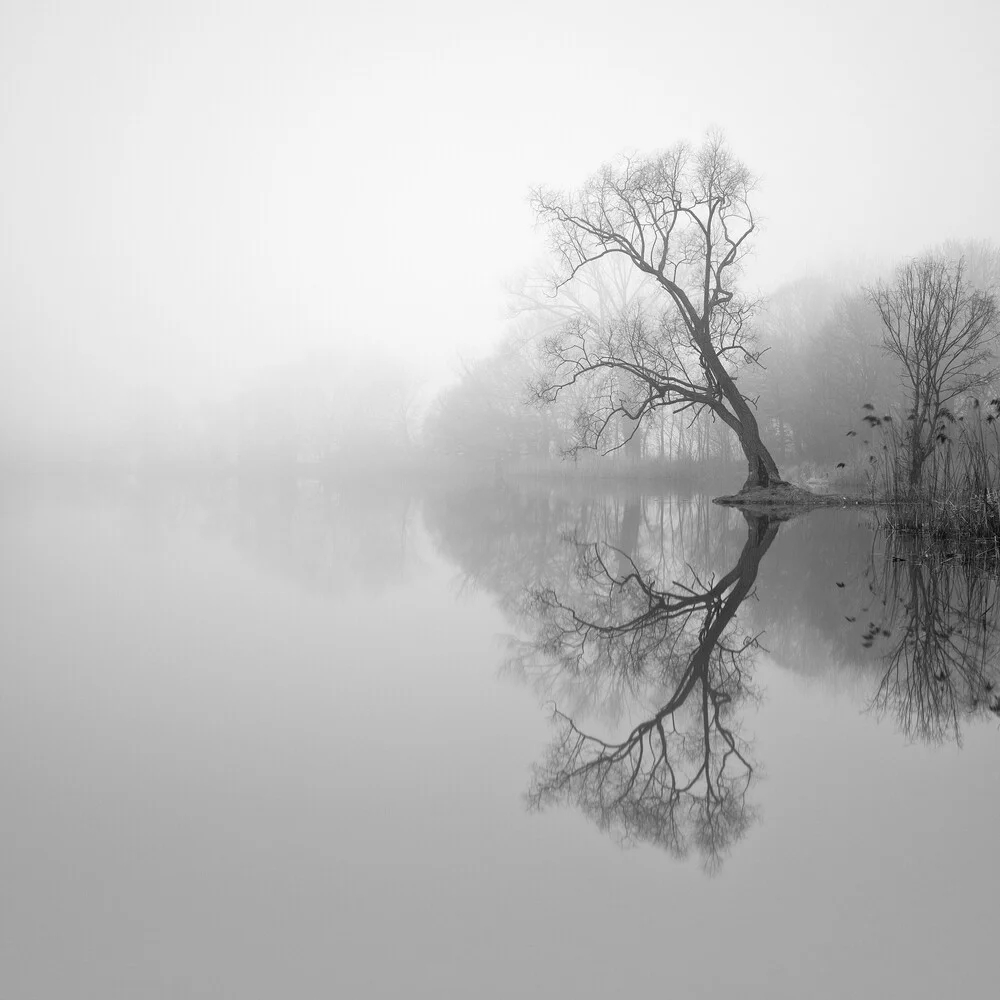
(273, 740)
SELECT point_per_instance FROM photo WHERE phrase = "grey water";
(292, 739)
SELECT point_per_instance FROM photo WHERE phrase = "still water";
(278, 740)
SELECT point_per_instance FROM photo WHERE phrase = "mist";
(194, 198)
(376, 387)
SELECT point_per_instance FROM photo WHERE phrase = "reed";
(956, 494)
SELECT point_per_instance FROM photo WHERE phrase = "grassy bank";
(952, 493)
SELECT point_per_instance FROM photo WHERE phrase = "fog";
(198, 197)
(366, 583)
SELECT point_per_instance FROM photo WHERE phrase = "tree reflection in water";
(606, 631)
(679, 778)
(943, 622)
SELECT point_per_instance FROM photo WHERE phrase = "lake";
(281, 739)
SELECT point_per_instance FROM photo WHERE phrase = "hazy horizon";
(195, 198)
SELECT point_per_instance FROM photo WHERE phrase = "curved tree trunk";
(762, 469)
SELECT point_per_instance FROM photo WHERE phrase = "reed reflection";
(648, 653)
(939, 637)
(678, 778)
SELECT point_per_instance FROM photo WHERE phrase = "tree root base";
(784, 500)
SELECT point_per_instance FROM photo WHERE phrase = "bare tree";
(681, 217)
(941, 332)
(596, 299)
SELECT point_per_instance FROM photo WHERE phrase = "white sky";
(192, 192)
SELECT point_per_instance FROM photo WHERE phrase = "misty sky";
(195, 192)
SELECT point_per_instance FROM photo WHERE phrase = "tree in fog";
(318, 410)
(788, 324)
(941, 332)
(824, 362)
(982, 261)
(483, 415)
(486, 416)
(683, 218)
(679, 778)
(598, 297)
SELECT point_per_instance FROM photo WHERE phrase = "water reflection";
(330, 538)
(679, 778)
(192, 672)
(941, 621)
(506, 540)
(635, 620)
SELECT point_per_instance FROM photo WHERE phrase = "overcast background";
(195, 193)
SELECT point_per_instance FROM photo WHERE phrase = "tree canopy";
(683, 218)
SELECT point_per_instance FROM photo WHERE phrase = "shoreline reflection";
(680, 777)
(629, 621)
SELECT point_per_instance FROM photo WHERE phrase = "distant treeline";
(822, 361)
